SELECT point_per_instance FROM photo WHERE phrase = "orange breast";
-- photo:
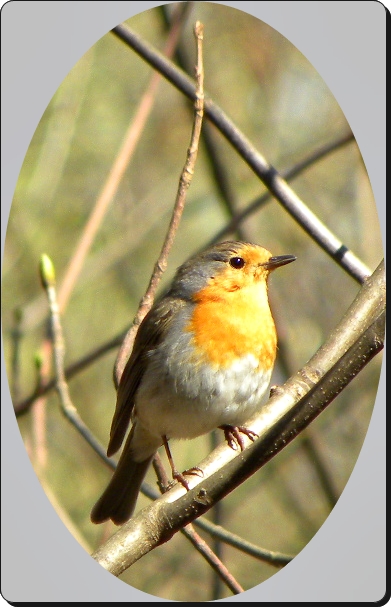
(227, 325)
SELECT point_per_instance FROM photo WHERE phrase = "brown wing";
(151, 331)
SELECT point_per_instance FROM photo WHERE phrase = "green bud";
(46, 269)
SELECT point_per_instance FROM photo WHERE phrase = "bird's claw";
(233, 436)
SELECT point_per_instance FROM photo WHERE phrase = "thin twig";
(219, 171)
(265, 171)
(278, 559)
(199, 544)
(67, 407)
(217, 565)
(288, 174)
(70, 371)
(184, 183)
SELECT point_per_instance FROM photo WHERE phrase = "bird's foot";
(233, 436)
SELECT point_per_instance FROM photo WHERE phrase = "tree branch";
(266, 172)
(67, 407)
(355, 341)
(184, 184)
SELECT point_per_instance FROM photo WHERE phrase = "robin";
(202, 359)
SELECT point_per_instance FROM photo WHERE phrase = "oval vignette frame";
(78, 559)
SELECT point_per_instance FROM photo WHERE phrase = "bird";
(202, 359)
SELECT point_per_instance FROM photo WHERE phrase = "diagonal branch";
(266, 172)
(354, 342)
(217, 565)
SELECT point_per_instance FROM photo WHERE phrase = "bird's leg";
(175, 473)
(233, 438)
(180, 476)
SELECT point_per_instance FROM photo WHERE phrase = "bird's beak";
(276, 262)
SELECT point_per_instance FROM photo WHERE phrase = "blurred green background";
(279, 101)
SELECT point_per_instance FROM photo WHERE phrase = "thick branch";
(355, 341)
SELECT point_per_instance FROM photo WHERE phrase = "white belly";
(202, 401)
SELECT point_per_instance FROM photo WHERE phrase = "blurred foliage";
(279, 101)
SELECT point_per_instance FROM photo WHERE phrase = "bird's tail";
(119, 499)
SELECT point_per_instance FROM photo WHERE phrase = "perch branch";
(355, 341)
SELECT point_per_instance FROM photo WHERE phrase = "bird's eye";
(237, 262)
